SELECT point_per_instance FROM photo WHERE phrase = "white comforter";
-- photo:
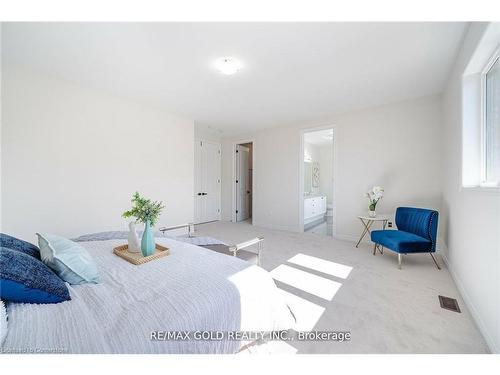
(192, 289)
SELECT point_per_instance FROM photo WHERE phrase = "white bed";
(192, 289)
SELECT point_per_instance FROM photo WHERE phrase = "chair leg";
(399, 260)
(435, 261)
(374, 249)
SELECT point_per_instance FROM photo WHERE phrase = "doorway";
(243, 182)
(317, 181)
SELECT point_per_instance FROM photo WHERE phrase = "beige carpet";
(387, 310)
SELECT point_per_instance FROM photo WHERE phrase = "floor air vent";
(449, 303)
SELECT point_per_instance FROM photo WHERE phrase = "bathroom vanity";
(314, 208)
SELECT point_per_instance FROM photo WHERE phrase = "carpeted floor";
(331, 285)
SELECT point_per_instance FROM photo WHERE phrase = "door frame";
(234, 173)
(334, 174)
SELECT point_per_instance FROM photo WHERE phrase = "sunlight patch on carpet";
(321, 265)
(316, 285)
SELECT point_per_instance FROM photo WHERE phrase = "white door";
(243, 188)
(211, 180)
(207, 181)
(198, 185)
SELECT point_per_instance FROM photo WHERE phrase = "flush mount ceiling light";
(228, 65)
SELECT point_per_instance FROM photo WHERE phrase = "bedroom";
(207, 122)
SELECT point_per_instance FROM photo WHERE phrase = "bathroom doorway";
(317, 181)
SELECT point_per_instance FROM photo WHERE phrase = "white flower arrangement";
(374, 195)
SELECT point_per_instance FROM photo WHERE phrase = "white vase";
(372, 213)
(133, 240)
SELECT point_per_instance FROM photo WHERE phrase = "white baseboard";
(475, 315)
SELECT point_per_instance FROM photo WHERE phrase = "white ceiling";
(319, 137)
(293, 73)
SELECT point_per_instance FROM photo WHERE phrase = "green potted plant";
(147, 212)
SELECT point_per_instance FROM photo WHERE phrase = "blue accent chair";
(417, 232)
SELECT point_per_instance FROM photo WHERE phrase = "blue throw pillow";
(69, 260)
(14, 243)
(27, 280)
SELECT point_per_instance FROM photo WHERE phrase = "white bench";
(241, 250)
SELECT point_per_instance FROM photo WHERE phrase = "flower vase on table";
(148, 240)
(133, 240)
(371, 211)
(147, 212)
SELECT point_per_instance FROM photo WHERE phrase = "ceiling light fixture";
(228, 65)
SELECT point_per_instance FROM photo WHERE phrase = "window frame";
(484, 183)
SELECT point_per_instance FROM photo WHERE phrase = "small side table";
(368, 221)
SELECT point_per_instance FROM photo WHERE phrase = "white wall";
(397, 146)
(471, 217)
(203, 132)
(72, 157)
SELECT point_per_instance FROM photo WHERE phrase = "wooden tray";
(138, 258)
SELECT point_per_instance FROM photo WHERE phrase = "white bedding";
(189, 290)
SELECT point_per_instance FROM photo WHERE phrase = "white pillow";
(69, 260)
(3, 322)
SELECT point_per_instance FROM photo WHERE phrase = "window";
(481, 116)
(491, 123)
